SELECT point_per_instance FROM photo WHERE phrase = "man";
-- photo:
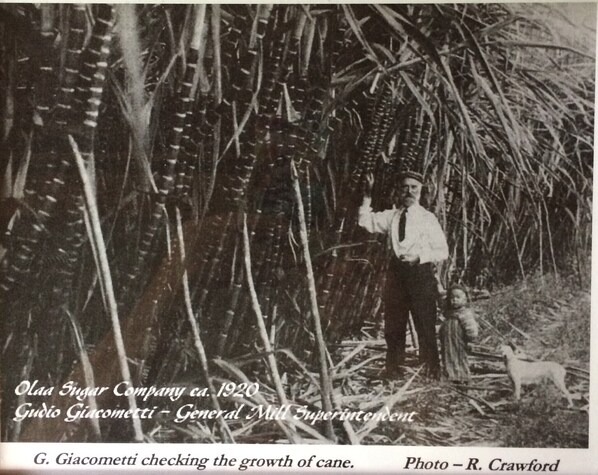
(417, 242)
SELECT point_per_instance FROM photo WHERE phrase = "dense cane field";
(180, 186)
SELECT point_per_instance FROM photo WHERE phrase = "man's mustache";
(407, 196)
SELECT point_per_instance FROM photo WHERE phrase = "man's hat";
(411, 174)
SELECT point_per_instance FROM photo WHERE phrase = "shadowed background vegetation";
(210, 222)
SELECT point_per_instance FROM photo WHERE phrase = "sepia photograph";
(318, 224)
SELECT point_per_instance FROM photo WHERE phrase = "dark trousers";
(410, 288)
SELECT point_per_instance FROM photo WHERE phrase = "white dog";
(524, 372)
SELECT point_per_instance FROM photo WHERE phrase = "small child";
(458, 328)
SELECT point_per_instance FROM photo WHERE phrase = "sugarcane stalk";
(185, 166)
(86, 136)
(293, 52)
(105, 275)
(74, 46)
(46, 77)
(266, 258)
(325, 383)
(197, 342)
(230, 48)
(236, 185)
(93, 57)
(230, 312)
(272, 364)
(213, 255)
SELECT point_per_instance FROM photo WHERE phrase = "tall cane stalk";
(199, 347)
(105, 276)
(261, 325)
(325, 383)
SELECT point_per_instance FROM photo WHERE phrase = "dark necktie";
(402, 223)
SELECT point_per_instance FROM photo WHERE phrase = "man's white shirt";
(423, 235)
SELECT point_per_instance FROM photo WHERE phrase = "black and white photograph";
(297, 224)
